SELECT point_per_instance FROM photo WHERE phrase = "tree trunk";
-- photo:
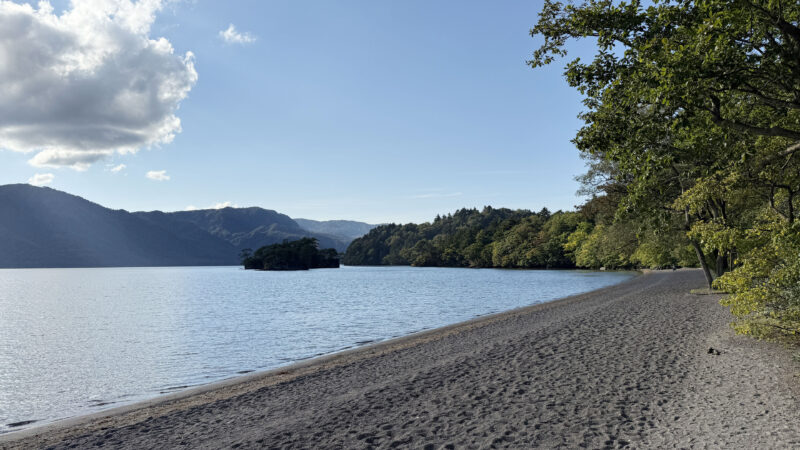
(699, 251)
(720, 264)
(702, 258)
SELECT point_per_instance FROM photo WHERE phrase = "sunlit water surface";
(74, 341)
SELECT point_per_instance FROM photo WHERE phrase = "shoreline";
(285, 373)
(590, 359)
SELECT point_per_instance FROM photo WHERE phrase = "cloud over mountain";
(40, 179)
(218, 205)
(80, 86)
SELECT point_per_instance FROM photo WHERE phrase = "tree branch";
(778, 103)
(791, 149)
(735, 124)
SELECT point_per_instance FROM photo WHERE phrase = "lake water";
(74, 341)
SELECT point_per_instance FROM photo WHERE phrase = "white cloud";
(219, 205)
(231, 36)
(77, 87)
(437, 195)
(117, 169)
(40, 179)
(157, 175)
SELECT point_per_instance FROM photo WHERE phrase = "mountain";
(243, 227)
(347, 229)
(43, 227)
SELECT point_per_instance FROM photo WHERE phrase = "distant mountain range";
(43, 227)
(344, 228)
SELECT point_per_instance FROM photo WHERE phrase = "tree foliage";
(693, 117)
(302, 254)
(519, 239)
(493, 237)
(765, 289)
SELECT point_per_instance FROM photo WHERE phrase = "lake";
(75, 341)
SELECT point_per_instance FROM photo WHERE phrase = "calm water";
(73, 341)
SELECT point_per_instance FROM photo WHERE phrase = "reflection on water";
(73, 341)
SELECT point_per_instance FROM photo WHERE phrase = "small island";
(302, 254)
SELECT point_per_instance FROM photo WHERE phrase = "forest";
(691, 137)
(521, 239)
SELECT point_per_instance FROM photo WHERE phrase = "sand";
(625, 366)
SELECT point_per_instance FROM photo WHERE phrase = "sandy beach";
(625, 366)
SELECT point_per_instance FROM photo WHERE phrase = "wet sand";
(625, 366)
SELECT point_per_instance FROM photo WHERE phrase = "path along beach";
(624, 366)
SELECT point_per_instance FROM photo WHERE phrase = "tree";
(681, 91)
(302, 254)
(695, 108)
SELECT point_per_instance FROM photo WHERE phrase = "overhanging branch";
(716, 116)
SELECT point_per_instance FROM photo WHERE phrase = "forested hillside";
(242, 227)
(517, 239)
(43, 227)
(467, 238)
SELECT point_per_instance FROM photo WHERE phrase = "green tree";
(694, 108)
(302, 254)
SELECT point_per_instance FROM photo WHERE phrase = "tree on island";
(302, 254)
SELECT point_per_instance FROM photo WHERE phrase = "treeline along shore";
(692, 140)
(522, 239)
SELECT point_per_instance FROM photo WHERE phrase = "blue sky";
(363, 110)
